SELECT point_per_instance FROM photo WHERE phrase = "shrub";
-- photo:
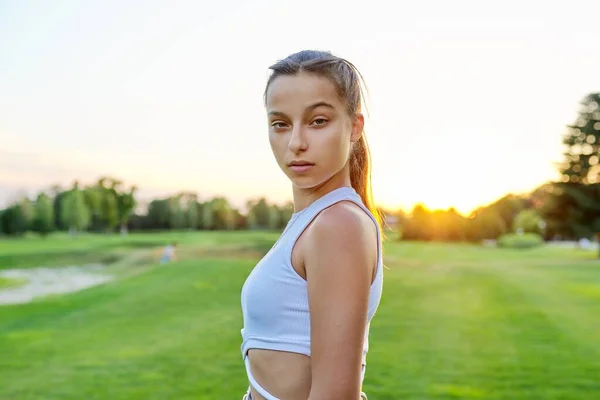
(528, 221)
(516, 241)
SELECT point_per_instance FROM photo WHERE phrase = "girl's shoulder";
(343, 231)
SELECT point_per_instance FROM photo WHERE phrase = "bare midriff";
(283, 374)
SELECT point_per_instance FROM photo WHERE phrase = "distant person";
(169, 253)
(308, 304)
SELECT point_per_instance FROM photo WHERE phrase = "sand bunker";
(50, 281)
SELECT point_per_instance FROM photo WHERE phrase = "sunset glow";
(465, 103)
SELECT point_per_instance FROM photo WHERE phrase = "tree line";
(509, 214)
(109, 206)
(566, 209)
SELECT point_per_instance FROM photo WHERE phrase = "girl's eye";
(319, 121)
(278, 124)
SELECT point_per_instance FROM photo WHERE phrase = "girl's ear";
(357, 127)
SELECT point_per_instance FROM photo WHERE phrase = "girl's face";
(310, 132)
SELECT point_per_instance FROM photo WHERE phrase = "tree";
(177, 217)
(43, 222)
(18, 218)
(274, 220)
(75, 213)
(223, 213)
(14, 220)
(59, 196)
(485, 224)
(419, 225)
(28, 208)
(239, 220)
(110, 211)
(200, 215)
(191, 213)
(112, 203)
(448, 225)
(125, 205)
(158, 214)
(285, 214)
(562, 212)
(251, 220)
(581, 162)
(94, 196)
(528, 221)
(508, 207)
(208, 220)
(539, 196)
(219, 215)
(259, 214)
(574, 208)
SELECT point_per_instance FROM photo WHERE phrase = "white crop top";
(274, 297)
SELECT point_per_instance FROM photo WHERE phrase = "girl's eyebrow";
(320, 104)
(309, 108)
(277, 113)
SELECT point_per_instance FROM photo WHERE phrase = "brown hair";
(346, 78)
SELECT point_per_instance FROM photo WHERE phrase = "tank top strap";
(303, 218)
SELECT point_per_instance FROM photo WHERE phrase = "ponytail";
(360, 176)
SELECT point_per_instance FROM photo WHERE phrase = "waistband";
(248, 396)
(263, 392)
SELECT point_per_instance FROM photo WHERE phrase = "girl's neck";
(305, 197)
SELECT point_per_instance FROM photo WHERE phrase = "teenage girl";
(307, 305)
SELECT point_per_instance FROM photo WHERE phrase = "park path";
(41, 282)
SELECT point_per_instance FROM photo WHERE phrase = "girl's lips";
(301, 168)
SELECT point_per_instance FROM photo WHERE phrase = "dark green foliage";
(258, 213)
(573, 209)
(582, 144)
(43, 221)
(75, 213)
(528, 221)
(14, 220)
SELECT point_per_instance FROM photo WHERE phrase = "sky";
(467, 100)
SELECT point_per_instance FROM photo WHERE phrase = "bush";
(516, 241)
(528, 221)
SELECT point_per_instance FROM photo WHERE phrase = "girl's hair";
(346, 78)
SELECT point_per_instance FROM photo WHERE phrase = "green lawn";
(455, 322)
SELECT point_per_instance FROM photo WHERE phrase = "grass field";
(455, 322)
